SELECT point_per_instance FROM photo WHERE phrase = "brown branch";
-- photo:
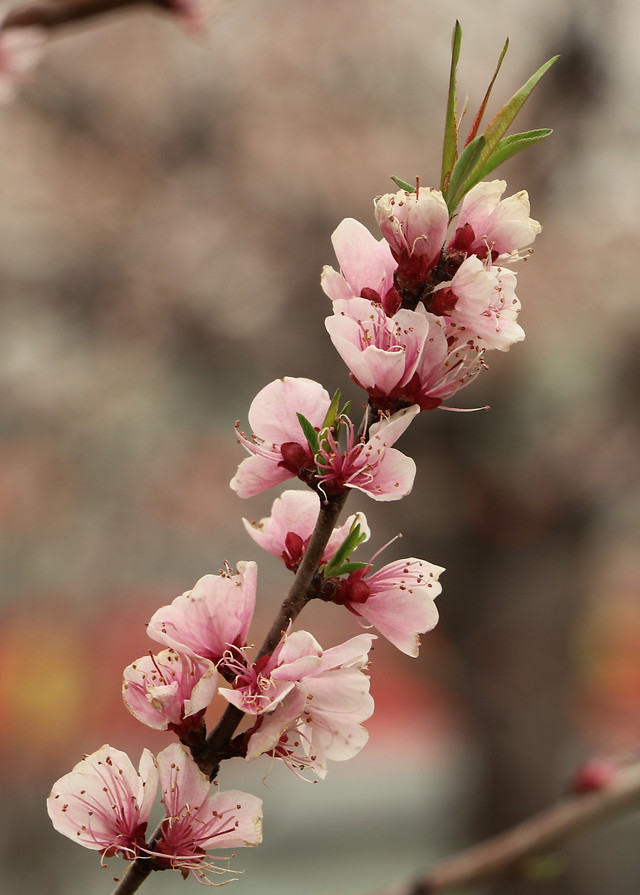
(219, 739)
(133, 877)
(501, 854)
(294, 603)
(53, 15)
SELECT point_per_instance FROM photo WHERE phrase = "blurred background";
(167, 206)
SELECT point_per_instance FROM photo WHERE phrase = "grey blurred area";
(167, 207)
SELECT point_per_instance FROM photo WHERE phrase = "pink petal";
(365, 261)
(101, 803)
(273, 412)
(400, 616)
(257, 474)
(181, 780)
(215, 614)
(334, 284)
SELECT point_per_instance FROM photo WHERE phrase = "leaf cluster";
(482, 152)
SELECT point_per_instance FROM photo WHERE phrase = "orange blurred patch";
(43, 688)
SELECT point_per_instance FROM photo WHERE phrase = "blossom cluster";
(104, 804)
(305, 704)
(414, 313)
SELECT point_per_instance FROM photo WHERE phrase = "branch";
(133, 877)
(218, 740)
(54, 15)
(497, 856)
(294, 603)
(50, 15)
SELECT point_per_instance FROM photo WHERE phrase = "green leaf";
(332, 413)
(309, 433)
(403, 184)
(462, 171)
(496, 129)
(544, 867)
(506, 148)
(483, 104)
(345, 410)
(353, 540)
(450, 143)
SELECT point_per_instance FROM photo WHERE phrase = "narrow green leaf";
(483, 104)
(350, 543)
(403, 184)
(332, 413)
(344, 413)
(347, 547)
(544, 867)
(496, 129)
(506, 148)
(450, 143)
(309, 433)
(462, 171)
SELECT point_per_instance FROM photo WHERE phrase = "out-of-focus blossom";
(170, 690)
(21, 49)
(104, 803)
(320, 719)
(211, 618)
(373, 466)
(415, 225)
(367, 267)
(199, 819)
(398, 599)
(279, 448)
(193, 14)
(595, 774)
(481, 302)
(489, 225)
(287, 531)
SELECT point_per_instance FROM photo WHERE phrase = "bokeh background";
(166, 210)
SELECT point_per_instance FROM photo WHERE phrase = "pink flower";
(488, 225)
(414, 357)
(260, 687)
(211, 618)
(415, 225)
(279, 447)
(381, 352)
(104, 803)
(482, 303)
(287, 531)
(372, 466)
(198, 819)
(170, 690)
(320, 719)
(367, 267)
(398, 599)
